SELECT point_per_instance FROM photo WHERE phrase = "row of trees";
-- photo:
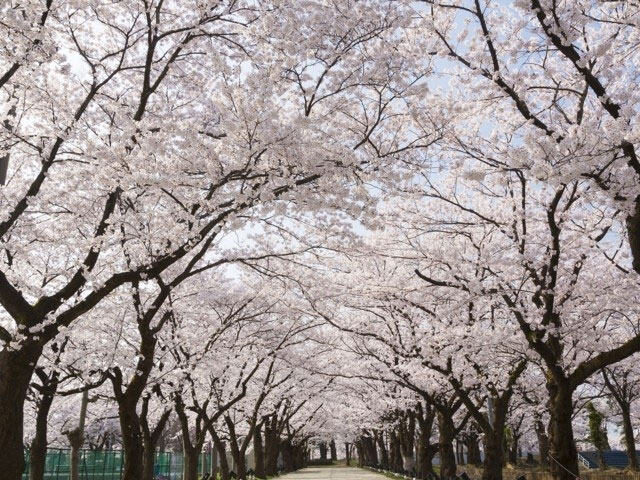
(494, 288)
(228, 382)
(138, 138)
(408, 439)
(206, 204)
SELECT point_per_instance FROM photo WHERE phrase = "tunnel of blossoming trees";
(240, 238)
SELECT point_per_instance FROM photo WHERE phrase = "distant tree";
(598, 432)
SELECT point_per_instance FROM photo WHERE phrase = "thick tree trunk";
(426, 452)
(347, 453)
(222, 455)
(287, 457)
(360, 453)
(473, 451)
(16, 369)
(406, 435)
(38, 450)
(150, 439)
(633, 234)
(132, 441)
(213, 468)
(240, 461)
(75, 459)
(474, 456)
(258, 453)
(271, 450)
(425, 416)
(513, 449)
(408, 462)
(493, 456)
(543, 443)
(334, 452)
(131, 426)
(299, 454)
(384, 454)
(620, 395)
(445, 447)
(190, 463)
(563, 454)
(629, 440)
(221, 448)
(148, 463)
(395, 454)
(323, 450)
(370, 451)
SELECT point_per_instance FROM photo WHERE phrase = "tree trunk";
(271, 450)
(384, 454)
(633, 233)
(75, 459)
(16, 369)
(150, 439)
(426, 452)
(347, 453)
(239, 459)
(148, 463)
(395, 455)
(513, 450)
(38, 450)
(543, 443)
(360, 452)
(299, 454)
(76, 438)
(287, 456)
(425, 416)
(473, 452)
(213, 471)
(190, 463)
(408, 462)
(323, 450)
(406, 435)
(258, 453)
(222, 455)
(4, 160)
(370, 451)
(445, 447)
(629, 440)
(493, 455)
(461, 459)
(563, 454)
(132, 442)
(334, 452)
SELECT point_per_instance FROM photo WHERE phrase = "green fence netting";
(108, 464)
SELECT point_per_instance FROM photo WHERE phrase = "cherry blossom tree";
(398, 226)
(624, 386)
(556, 239)
(121, 163)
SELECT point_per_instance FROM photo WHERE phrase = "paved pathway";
(333, 473)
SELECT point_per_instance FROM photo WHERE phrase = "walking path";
(333, 473)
